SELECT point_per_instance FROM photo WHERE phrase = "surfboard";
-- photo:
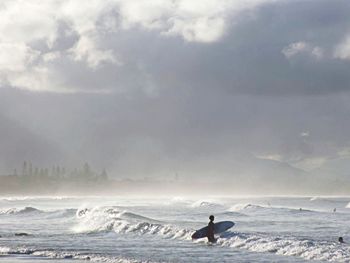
(218, 228)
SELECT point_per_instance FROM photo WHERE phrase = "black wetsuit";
(210, 235)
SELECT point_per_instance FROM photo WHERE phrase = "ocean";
(142, 229)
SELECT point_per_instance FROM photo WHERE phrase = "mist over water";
(117, 229)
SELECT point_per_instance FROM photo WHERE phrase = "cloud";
(342, 50)
(124, 46)
(302, 48)
(30, 48)
(20, 67)
(37, 21)
(85, 50)
(305, 134)
(20, 63)
(273, 157)
(201, 29)
(151, 15)
(194, 21)
(51, 56)
(84, 34)
(16, 57)
(312, 163)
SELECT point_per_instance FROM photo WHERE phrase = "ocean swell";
(56, 254)
(205, 204)
(307, 249)
(247, 208)
(32, 211)
(25, 210)
(111, 219)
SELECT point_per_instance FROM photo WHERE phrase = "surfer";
(210, 235)
(212, 229)
(341, 240)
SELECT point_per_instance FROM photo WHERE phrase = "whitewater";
(119, 229)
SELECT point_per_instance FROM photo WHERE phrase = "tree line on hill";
(84, 173)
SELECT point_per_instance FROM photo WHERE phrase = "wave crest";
(56, 254)
(111, 219)
(242, 207)
(307, 249)
(204, 203)
(25, 210)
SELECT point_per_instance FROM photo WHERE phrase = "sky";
(202, 89)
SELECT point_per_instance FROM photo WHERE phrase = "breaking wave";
(203, 203)
(260, 243)
(242, 208)
(56, 254)
(331, 200)
(316, 198)
(25, 210)
(32, 211)
(113, 219)
(106, 219)
(307, 249)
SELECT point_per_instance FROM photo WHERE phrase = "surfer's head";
(211, 218)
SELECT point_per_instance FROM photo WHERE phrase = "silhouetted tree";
(30, 170)
(58, 171)
(24, 168)
(104, 175)
(87, 171)
(36, 171)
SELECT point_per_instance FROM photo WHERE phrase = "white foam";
(69, 255)
(311, 250)
(241, 207)
(204, 203)
(17, 250)
(110, 219)
(4, 250)
(315, 198)
(11, 211)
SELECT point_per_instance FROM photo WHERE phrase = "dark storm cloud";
(249, 58)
